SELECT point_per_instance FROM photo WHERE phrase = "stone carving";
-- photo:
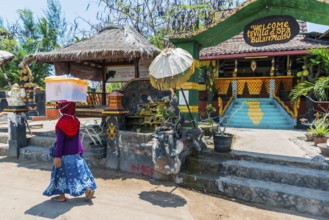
(16, 119)
(16, 96)
(172, 144)
(170, 152)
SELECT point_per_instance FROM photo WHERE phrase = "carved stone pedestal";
(16, 131)
(115, 121)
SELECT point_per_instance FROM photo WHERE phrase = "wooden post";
(193, 48)
(288, 66)
(104, 85)
(136, 64)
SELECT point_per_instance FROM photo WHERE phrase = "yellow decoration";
(184, 108)
(192, 85)
(197, 63)
(204, 62)
(253, 65)
(272, 71)
(235, 72)
(254, 84)
(111, 131)
(255, 112)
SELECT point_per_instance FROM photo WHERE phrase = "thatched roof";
(109, 43)
(113, 45)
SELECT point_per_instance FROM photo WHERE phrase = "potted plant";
(319, 133)
(318, 128)
(222, 140)
(207, 124)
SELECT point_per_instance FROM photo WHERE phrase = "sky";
(75, 8)
(70, 8)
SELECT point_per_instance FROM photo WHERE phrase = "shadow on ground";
(52, 209)
(163, 199)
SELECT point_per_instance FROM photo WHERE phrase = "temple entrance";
(273, 76)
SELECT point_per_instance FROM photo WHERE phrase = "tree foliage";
(30, 35)
(159, 18)
(8, 43)
(318, 81)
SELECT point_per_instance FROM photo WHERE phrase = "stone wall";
(134, 154)
(137, 92)
(40, 100)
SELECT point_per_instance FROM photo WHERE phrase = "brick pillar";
(115, 120)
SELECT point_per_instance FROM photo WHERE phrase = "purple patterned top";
(67, 146)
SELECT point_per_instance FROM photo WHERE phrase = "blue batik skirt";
(73, 177)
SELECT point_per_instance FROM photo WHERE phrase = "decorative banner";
(271, 30)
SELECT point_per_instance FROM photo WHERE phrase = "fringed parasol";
(170, 69)
(5, 56)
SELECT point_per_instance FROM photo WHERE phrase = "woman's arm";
(60, 143)
(81, 149)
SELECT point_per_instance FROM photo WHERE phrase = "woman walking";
(70, 173)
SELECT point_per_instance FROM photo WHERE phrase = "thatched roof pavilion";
(89, 58)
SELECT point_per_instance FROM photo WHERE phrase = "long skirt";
(73, 177)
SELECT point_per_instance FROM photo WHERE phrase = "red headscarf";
(68, 123)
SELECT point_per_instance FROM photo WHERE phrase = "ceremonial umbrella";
(5, 57)
(171, 68)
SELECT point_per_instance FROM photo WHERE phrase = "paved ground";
(126, 196)
(276, 142)
(119, 196)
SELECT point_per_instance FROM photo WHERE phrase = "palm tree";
(319, 88)
(316, 88)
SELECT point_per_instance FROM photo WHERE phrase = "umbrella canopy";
(171, 68)
(5, 56)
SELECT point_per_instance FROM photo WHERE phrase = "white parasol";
(170, 69)
(5, 56)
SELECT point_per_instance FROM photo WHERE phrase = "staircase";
(38, 149)
(256, 113)
(275, 181)
(38, 146)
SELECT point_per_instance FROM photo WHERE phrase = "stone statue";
(16, 96)
(170, 152)
(172, 144)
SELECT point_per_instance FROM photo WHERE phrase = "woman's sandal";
(89, 194)
(59, 199)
